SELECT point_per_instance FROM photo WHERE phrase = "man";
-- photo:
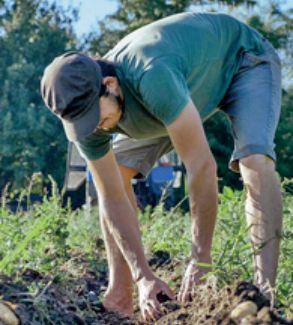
(155, 88)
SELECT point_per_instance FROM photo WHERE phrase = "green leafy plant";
(49, 236)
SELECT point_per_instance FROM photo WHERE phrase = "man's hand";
(148, 301)
(192, 277)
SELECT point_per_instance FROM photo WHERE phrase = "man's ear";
(111, 83)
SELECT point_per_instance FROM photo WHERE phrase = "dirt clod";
(159, 258)
(162, 297)
(75, 297)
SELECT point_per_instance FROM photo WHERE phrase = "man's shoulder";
(151, 40)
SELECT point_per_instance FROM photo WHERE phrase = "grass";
(48, 235)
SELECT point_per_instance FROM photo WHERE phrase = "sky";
(90, 12)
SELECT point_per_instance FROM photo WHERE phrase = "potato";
(264, 315)
(243, 310)
(7, 316)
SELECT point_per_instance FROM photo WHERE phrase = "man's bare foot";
(119, 302)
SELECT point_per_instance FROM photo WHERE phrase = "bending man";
(155, 88)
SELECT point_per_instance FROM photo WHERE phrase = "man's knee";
(257, 163)
(257, 171)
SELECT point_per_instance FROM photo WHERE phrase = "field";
(53, 267)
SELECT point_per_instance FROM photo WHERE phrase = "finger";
(183, 295)
(156, 306)
(146, 315)
(187, 297)
(155, 309)
(152, 314)
(180, 293)
(193, 291)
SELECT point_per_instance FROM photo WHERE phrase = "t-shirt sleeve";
(164, 92)
(95, 146)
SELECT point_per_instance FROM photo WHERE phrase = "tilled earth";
(73, 297)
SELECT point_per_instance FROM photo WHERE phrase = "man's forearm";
(203, 191)
(123, 224)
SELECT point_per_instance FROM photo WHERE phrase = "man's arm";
(122, 223)
(120, 215)
(189, 140)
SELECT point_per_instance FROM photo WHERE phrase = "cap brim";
(82, 127)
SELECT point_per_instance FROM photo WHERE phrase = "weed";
(48, 236)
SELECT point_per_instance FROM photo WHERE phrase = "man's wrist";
(143, 275)
(201, 257)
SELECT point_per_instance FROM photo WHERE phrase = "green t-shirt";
(163, 64)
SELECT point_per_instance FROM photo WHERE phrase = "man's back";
(161, 65)
(202, 49)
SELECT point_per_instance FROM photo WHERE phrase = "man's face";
(110, 107)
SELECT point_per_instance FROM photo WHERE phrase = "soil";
(74, 297)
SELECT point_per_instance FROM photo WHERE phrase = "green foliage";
(42, 237)
(84, 231)
(233, 255)
(168, 226)
(32, 34)
(35, 239)
(284, 141)
(49, 236)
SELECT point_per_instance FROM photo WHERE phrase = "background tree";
(32, 33)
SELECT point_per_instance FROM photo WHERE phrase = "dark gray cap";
(70, 88)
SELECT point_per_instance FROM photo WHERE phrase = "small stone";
(243, 310)
(92, 296)
(7, 316)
